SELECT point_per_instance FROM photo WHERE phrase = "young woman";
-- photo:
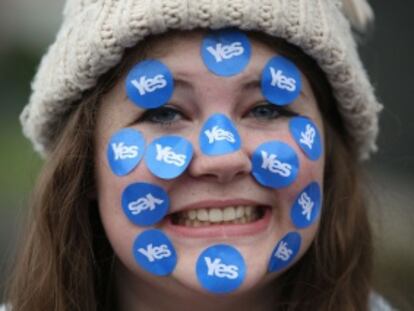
(190, 168)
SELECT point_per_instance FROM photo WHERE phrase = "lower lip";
(216, 231)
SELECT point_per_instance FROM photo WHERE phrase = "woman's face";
(210, 182)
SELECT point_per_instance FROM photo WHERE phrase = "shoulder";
(377, 303)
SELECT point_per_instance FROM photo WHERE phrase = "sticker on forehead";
(226, 52)
(167, 157)
(125, 150)
(154, 252)
(275, 164)
(220, 269)
(284, 252)
(149, 84)
(281, 83)
(307, 206)
(307, 136)
(219, 136)
(145, 204)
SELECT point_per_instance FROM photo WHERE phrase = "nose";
(223, 168)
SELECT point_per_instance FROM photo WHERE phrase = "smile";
(238, 214)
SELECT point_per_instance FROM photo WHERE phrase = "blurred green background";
(28, 27)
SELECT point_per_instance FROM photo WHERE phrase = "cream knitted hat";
(95, 33)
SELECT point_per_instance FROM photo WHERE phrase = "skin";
(197, 95)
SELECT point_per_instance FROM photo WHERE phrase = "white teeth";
(229, 215)
(215, 215)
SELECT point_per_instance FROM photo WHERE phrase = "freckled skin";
(228, 176)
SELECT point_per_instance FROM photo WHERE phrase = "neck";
(167, 294)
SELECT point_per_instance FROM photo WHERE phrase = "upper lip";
(218, 203)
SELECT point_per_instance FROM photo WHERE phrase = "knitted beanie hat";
(95, 33)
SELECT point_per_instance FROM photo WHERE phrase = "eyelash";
(150, 115)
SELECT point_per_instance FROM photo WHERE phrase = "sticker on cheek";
(220, 269)
(154, 252)
(219, 136)
(306, 135)
(285, 251)
(167, 157)
(226, 52)
(145, 204)
(125, 150)
(275, 164)
(149, 84)
(307, 206)
(281, 82)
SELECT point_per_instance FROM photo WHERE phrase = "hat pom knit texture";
(95, 33)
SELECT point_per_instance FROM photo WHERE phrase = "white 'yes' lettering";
(307, 205)
(222, 52)
(147, 202)
(308, 137)
(149, 85)
(123, 152)
(155, 252)
(283, 252)
(220, 270)
(271, 163)
(168, 156)
(218, 133)
(281, 81)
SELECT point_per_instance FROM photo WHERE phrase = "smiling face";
(216, 200)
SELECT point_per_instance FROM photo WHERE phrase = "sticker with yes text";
(275, 164)
(219, 136)
(226, 52)
(220, 269)
(306, 135)
(281, 82)
(154, 252)
(167, 157)
(145, 204)
(307, 205)
(285, 251)
(149, 84)
(125, 150)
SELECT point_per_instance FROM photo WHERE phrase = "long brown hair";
(66, 262)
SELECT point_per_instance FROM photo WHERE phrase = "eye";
(162, 115)
(269, 111)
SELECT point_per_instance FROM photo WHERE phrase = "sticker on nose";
(149, 84)
(281, 82)
(226, 52)
(307, 205)
(154, 252)
(167, 157)
(275, 164)
(285, 251)
(220, 269)
(125, 150)
(145, 204)
(306, 135)
(219, 136)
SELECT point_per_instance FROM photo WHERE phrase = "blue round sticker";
(285, 251)
(281, 82)
(125, 150)
(154, 252)
(220, 269)
(275, 164)
(149, 84)
(168, 156)
(219, 136)
(307, 206)
(145, 204)
(307, 136)
(226, 52)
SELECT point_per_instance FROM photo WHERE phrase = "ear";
(359, 13)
